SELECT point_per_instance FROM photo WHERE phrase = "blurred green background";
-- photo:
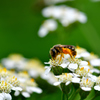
(20, 21)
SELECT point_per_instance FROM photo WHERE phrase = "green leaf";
(91, 95)
(71, 93)
(97, 98)
(77, 97)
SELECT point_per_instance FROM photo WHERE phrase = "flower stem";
(63, 96)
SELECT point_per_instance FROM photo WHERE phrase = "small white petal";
(82, 17)
(76, 80)
(67, 83)
(97, 87)
(7, 96)
(17, 88)
(46, 63)
(93, 77)
(83, 63)
(63, 65)
(47, 70)
(85, 67)
(85, 54)
(75, 75)
(95, 62)
(78, 56)
(73, 66)
(86, 88)
(1, 96)
(95, 70)
(26, 94)
(36, 89)
(43, 31)
(57, 76)
(56, 83)
(16, 93)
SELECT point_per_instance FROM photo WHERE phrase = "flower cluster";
(17, 79)
(64, 14)
(93, 60)
(34, 67)
(27, 84)
(8, 82)
(73, 71)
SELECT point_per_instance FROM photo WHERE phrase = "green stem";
(63, 96)
(73, 96)
(66, 97)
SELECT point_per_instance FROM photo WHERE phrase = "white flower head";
(86, 84)
(48, 25)
(5, 87)
(13, 81)
(82, 72)
(5, 96)
(14, 61)
(64, 78)
(95, 62)
(97, 86)
(3, 73)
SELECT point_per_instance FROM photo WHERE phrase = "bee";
(62, 49)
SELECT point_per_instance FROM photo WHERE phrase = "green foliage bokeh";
(20, 21)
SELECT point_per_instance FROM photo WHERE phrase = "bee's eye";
(53, 51)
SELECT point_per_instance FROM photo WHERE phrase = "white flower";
(43, 31)
(5, 96)
(26, 94)
(82, 17)
(95, 62)
(33, 89)
(86, 84)
(66, 15)
(94, 70)
(17, 88)
(72, 66)
(49, 77)
(48, 25)
(82, 72)
(97, 86)
(66, 78)
(5, 87)
(48, 68)
(81, 52)
(14, 61)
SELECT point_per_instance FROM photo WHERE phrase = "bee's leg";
(62, 56)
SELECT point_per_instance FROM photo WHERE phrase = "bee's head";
(53, 53)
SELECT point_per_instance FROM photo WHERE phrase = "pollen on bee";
(66, 51)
